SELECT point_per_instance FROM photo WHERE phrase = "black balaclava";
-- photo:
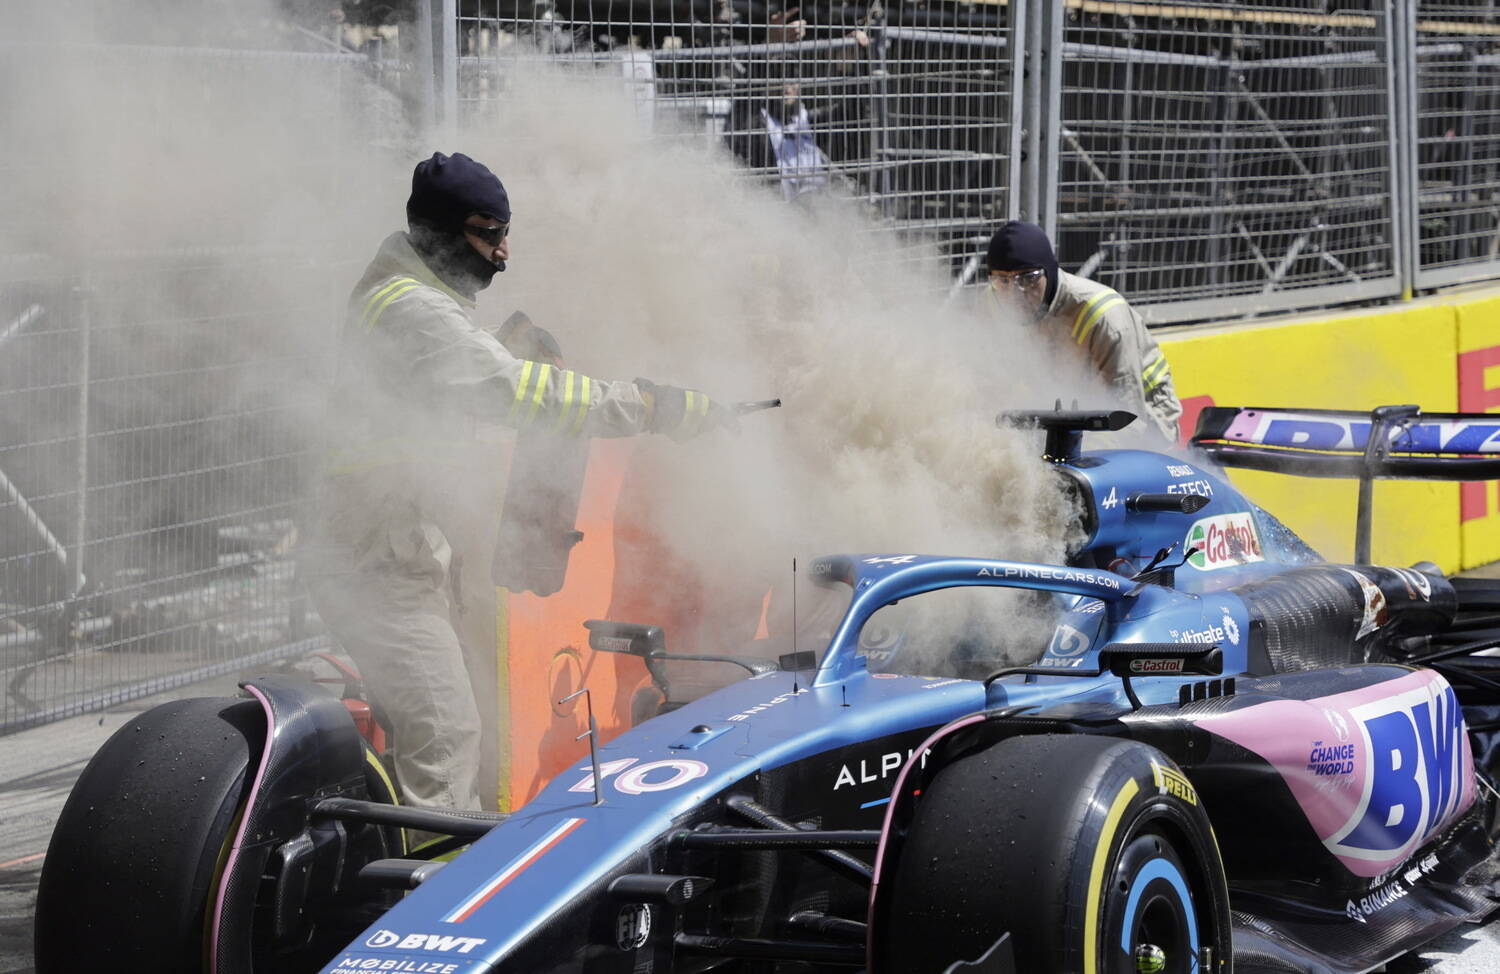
(445, 191)
(1019, 246)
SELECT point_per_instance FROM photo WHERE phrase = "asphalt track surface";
(38, 768)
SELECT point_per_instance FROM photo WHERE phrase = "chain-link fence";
(1208, 160)
(1457, 141)
(155, 400)
(1228, 157)
(905, 107)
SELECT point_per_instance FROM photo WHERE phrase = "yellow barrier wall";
(1354, 361)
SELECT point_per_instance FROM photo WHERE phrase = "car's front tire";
(1092, 853)
(135, 854)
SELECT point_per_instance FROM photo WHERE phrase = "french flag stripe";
(498, 881)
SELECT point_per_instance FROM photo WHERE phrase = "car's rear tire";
(135, 853)
(1088, 851)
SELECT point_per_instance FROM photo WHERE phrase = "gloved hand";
(682, 413)
(525, 339)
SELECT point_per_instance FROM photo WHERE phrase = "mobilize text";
(389, 965)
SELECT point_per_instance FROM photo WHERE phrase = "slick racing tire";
(1092, 853)
(135, 855)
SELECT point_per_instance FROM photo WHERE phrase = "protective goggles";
(1016, 279)
(490, 235)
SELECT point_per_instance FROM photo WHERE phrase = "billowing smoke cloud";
(652, 257)
(644, 253)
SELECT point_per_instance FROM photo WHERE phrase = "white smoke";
(647, 255)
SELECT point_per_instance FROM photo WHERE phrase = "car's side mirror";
(1127, 660)
(1162, 659)
(634, 638)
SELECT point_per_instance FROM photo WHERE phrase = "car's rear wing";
(1393, 442)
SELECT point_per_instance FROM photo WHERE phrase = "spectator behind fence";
(772, 126)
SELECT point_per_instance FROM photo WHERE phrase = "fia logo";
(1416, 755)
(633, 926)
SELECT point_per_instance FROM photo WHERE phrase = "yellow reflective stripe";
(567, 384)
(584, 404)
(541, 390)
(386, 303)
(1088, 306)
(521, 387)
(687, 410)
(1155, 374)
(375, 298)
(1093, 318)
(1097, 877)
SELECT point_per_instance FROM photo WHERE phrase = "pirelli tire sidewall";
(1027, 838)
(1143, 795)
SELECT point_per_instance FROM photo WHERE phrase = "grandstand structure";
(1211, 160)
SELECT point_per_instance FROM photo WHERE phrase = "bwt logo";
(1339, 434)
(1415, 760)
(423, 941)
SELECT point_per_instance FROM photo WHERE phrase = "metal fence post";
(1030, 58)
(1401, 88)
(445, 68)
(83, 295)
(1052, 17)
(1016, 143)
(437, 67)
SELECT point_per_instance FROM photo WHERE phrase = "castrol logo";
(1222, 541)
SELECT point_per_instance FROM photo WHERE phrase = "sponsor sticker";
(430, 942)
(1050, 575)
(1157, 665)
(1068, 642)
(1200, 487)
(1388, 892)
(633, 926)
(1377, 771)
(351, 964)
(1223, 541)
(1208, 635)
(630, 778)
(868, 770)
(1170, 781)
(1231, 629)
(780, 698)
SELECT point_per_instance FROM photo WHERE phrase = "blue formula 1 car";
(1195, 747)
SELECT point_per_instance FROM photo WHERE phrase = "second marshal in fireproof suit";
(416, 377)
(1079, 313)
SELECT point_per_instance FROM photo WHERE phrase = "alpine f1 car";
(1222, 752)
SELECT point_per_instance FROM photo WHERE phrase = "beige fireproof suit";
(1099, 322)
(415, 377)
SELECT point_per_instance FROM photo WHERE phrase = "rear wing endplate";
(1390, 442)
